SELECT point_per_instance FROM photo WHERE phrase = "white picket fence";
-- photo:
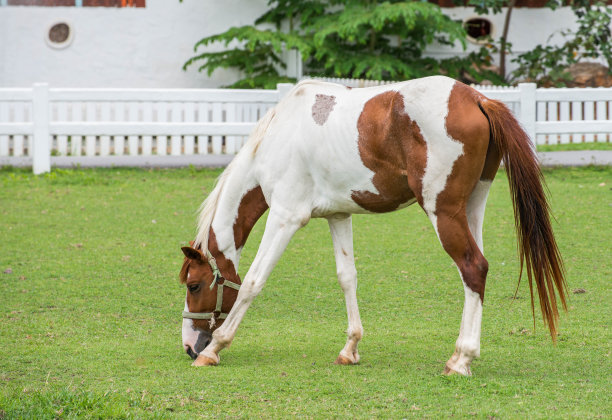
(42, 123)
(559, 115)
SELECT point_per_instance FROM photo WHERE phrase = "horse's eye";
(194, 287)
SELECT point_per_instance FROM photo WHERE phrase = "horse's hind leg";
(342, 236)
(460, 232)
(468, 343)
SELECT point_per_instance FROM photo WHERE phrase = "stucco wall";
(117, 47)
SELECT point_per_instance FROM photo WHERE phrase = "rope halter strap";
(221, 282)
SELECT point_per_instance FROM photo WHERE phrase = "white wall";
(117, 47)
(146, 47)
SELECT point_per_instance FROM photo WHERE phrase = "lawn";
(574, 146)
(91, 310)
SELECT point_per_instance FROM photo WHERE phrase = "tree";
(382, 40)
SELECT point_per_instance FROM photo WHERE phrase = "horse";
(329, 151)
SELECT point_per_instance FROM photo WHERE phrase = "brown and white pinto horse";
(329, 151)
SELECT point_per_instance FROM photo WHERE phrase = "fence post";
(41, 156)
(528, 109)
(283, 89)
(293, 60)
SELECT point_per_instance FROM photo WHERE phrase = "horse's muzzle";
(191, 353)
(204, 339)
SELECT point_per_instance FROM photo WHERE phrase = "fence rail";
(41, 122)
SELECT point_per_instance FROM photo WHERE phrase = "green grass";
(90, 310)
(574, 146)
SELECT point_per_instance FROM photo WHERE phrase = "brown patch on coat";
(252, 206)
(494, 155)
(467, 124)
(323, 106)
(492, 161)
(391, 146)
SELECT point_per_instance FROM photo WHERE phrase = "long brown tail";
(536, 243)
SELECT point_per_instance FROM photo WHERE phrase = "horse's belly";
(328, 208)
(359, 196)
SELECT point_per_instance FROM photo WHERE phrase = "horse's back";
(362, 150)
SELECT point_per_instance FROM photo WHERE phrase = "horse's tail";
(536, 243)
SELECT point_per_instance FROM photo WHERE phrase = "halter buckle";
(219, 279)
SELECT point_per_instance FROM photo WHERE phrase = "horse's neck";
(241, 204)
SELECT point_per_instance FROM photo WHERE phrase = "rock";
(589, 75)
(468, 79)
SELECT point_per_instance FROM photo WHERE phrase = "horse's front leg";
(280, 227)
(342, 236)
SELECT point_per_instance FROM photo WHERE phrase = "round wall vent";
(59, 35)
(478, 29)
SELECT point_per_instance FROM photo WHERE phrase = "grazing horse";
(330, 151)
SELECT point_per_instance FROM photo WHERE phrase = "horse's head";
(210, 297)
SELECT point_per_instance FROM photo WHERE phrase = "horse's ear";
(191, 253)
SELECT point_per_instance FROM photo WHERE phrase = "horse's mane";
(210, 204)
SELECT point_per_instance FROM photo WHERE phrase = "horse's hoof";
(202, 360)
(448, 371)
(342, 360)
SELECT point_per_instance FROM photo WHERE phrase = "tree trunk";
(504, 38)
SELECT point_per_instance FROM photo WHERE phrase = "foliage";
(258, 57)
(548, 64)
(90, 315)
(382, 40)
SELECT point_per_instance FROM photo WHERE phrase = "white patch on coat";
(469, 332)
(476, 209)
(467, 346)
(426, 102)
(189, 333)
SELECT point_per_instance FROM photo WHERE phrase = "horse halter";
(220, 281)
